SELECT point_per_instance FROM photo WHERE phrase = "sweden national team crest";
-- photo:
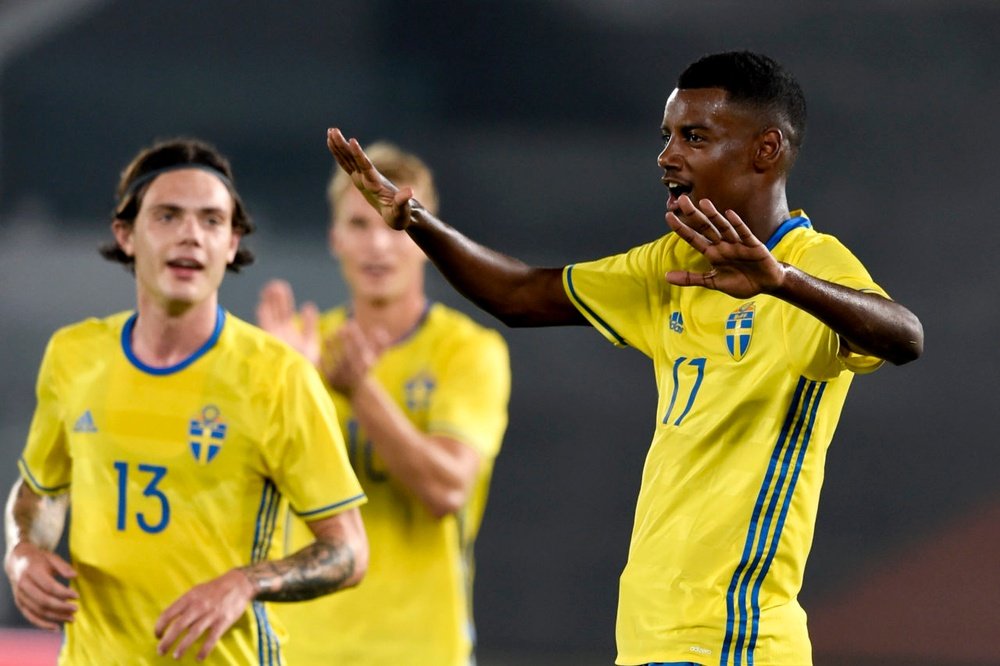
(739, 330)
(418, 392)
(206, 434)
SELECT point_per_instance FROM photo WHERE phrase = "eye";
(694, 137)
(665, 136)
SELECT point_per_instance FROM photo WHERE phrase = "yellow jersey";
(750, 392)
(450, 377)
(177, 475)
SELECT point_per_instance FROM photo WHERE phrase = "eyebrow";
(174, 207)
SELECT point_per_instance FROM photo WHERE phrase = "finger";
(63, 568)
(38, 621)
(211, 639)
(360, 157)
(741, 228)
(310, 320)
(168, 616)
(689, 279)
(719, 222)
(689, 235)
(52, 602)
(194, 632)
(44, 607)
(337, 144)
(698, 221)
(43, 584)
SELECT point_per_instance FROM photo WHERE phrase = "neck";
(766, 210)
(165, 335)
(395, 318)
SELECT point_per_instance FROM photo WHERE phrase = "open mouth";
(185, 264)
(676, 189)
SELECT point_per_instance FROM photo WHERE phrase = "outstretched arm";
(742, 266)
(34, 524)
(509, 289)
(338, 558)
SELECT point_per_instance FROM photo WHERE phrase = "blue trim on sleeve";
(576, 297)
(220, 321)
(34, 482)
(313, 512)
(786, 226)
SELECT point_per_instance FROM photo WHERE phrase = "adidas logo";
(85, 423)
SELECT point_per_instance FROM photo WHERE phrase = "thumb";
(401, 208)
(310, 319)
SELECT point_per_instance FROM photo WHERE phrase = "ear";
(770, 150)
(234, 246)
(122, 231)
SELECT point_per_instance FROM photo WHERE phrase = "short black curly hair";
(757, 81)
(162, 155)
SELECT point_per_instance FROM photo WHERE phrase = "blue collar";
(800, 219)
(220, 320)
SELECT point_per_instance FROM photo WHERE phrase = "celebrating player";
(756, 324)
(178, 433)
(421, 394)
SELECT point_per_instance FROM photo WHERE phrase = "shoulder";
(90, 331)
(257, 350)
(458, 327)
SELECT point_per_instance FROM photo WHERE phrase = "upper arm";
(538, 298)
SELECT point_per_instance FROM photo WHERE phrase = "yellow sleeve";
(45, 463)
(828, 259)
(470, 403)
(620, 295)
(305, 449)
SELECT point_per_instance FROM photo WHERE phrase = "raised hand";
(276, 314)
(393, 204)
(351, 356)
(38, 591)
(206, 610)
(742, 266)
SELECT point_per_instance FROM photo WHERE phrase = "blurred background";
(541, 120)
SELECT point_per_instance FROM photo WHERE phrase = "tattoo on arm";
(38, 519)
(317, 569)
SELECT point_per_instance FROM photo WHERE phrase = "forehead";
(700, 106)
(188, 188)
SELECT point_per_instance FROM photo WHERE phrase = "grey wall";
(542, 122)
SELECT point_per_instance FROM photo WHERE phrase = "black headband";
(150, 175)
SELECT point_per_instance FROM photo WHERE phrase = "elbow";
(359, 556)
(911, 347)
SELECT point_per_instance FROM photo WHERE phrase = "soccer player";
(178, 434)
(755, 322)
(421, 393)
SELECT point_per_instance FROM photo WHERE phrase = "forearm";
(438, 472)
(34, 518)
(868, 323)
(514, 292)
(319, 568)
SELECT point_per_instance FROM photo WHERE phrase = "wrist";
(250, 584)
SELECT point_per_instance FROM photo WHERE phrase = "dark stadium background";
(542, 122)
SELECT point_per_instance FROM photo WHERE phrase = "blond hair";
(399, 166)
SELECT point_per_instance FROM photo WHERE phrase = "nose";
(381, 237)
(190, 229)
(668, 157)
